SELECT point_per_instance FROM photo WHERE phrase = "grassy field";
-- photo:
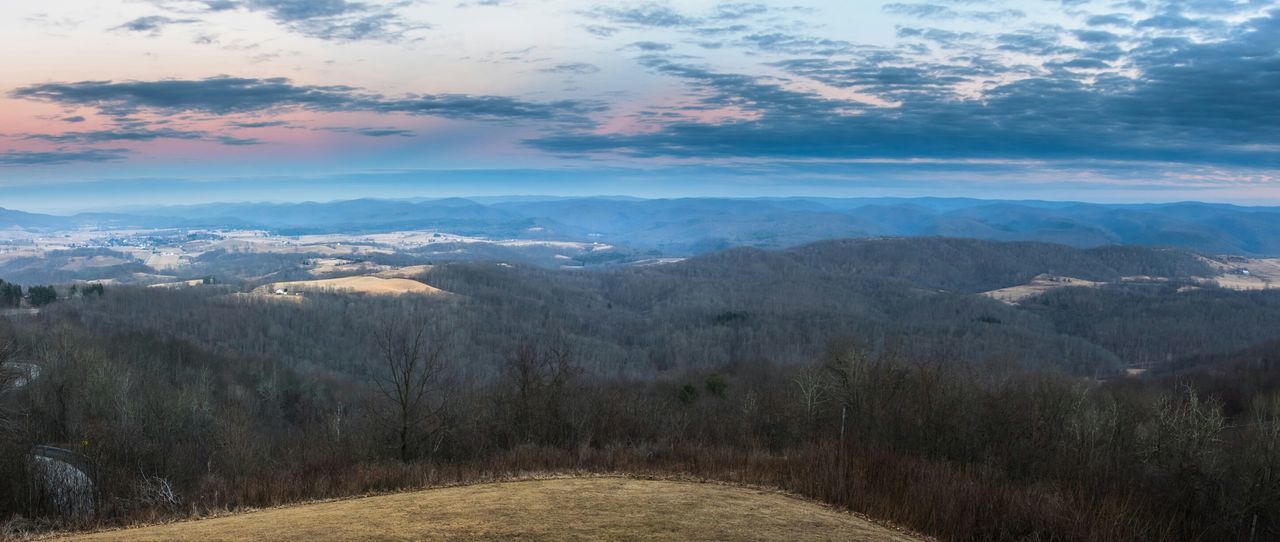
(1039, 285)
(362, 284)
(602, 508)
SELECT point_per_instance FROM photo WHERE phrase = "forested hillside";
(786, 306)
(964, 416)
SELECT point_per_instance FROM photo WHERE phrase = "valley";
(150, 256)
(718, 270)
(266, 359)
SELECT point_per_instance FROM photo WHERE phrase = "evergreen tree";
(40, 296)
(10, 294)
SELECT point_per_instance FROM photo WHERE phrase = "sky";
(108, 103)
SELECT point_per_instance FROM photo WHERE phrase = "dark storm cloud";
(1229, 88)
(227, 95)
(1186, 100)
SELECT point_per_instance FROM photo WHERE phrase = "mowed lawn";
(598, 508)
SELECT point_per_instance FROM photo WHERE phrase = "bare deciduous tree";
(8, 378)
(8, 347)
(541, 378)
(812, 390)
(8, 381)
(412, 375)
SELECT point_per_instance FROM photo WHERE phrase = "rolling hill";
(555, 509)
(681, 227)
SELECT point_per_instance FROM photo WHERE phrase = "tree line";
(1002, 450)
(11, 294)
(864, 374)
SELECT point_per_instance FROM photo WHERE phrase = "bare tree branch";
(411, 381)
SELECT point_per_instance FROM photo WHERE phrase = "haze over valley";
(961, 270)
(581, 232)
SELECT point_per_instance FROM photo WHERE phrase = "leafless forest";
(871, 375)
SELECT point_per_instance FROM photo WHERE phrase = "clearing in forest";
(596, 508)
(1039, 285)
(364, 284)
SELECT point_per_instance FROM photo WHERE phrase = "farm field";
(1246, 273)
(172, 254)
(1242, 274)
(597, 508)
(1041, 284)
(360, 284)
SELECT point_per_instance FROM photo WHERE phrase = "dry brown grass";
(263, 297)
(1264, 274)
(1243, 282)
(178, 284)
(594, 508)
(1040, 284)
(81, 263)
(408, 271)
(360, 284)
(164, 260)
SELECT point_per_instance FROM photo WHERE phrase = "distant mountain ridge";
(688, 226)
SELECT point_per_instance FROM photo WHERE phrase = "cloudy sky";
(118, 102)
